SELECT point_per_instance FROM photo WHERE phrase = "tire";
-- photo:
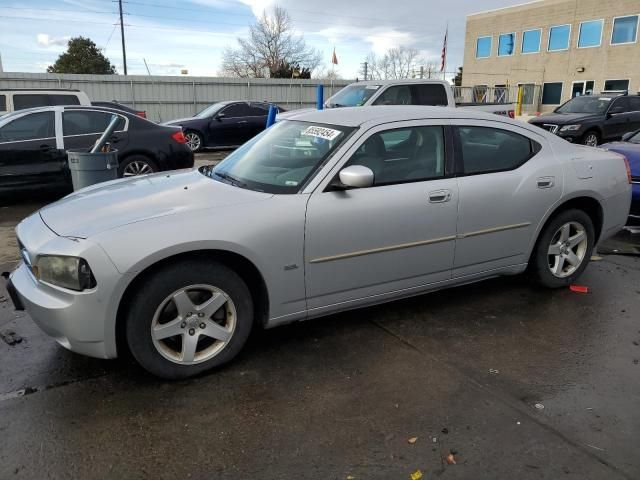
(135, 165)
(590, 138)
(195, 141)
(546, 265)
(194, 299)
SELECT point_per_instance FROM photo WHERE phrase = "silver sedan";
(323, 212)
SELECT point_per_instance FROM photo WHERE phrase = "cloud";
(45, 40)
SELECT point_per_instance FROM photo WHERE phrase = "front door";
(394, 237)
(230, 127)
(30, 153)
(509, 179)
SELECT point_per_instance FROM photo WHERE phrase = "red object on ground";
(579, 288)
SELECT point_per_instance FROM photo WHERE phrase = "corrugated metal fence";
(165, 98)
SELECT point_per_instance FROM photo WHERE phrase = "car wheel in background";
(591, 139)
(189, 317)
(563, 249)
(194, 140)
(135, 165)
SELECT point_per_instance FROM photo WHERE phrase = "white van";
(12, 99)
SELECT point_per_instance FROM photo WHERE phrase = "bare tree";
(270, 44)
(396, 63)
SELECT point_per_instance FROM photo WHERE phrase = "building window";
(531, 41)
(625, 30)
(528, 93)
(483, 47)
(506, 44)
(559, 38)
(551, 93)
(616, 85)
(590, 34)
(480, 93)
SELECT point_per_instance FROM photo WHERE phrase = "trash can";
(90, 168)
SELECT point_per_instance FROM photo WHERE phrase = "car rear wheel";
(188, 318)
(591, 139)
(194, 141)
(135, 165)
(563, 249)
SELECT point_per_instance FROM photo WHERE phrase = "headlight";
(570, 128)
(68, 272)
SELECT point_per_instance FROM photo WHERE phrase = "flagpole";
(446, 39)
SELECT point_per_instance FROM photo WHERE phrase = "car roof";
(23, 89)
(399, 81)
(357, 116)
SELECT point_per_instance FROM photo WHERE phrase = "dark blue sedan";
(629, 146)
(223, 124)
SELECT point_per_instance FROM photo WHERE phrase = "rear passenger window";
(403, 155)
(635, 104)
(236, 110)
(30, 100)
(3, 103)
(64, 100)
(419, 94)
(83, 122)
(486, 149)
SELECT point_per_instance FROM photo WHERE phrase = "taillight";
(512, 114)
(626, 164)
(179, 137)
(142, 114)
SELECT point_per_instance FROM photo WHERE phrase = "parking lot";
(503, 378)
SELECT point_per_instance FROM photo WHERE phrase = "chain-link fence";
(531, 95)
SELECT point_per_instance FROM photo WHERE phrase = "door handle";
(243, 121)
(439, 196)
(546, 182)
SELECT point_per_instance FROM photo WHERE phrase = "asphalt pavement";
(503, 378)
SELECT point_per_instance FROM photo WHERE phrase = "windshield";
(280, 159)
(586, 104)
(352, 96)
(210, 110)
(634, 138)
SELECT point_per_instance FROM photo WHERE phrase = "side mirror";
(627, 136)
(356, 176)
(220, 116)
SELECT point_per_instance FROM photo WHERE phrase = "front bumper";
(83, 322)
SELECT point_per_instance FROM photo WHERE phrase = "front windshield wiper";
(231, 179)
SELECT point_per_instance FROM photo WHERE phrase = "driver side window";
(403, 155)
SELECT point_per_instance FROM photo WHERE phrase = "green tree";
(457, 81)
(82, 56)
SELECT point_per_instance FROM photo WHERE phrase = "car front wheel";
(194, 141)
(189, 317)
(563, 249)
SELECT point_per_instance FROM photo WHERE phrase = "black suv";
(592, 119)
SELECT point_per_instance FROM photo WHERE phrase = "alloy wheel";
(193, 324)
(137, 167)
(591, 140)
(567, 249)
(193, 141)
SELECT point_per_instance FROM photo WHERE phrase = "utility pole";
(124, 49)
(421, 71)
(366, 70)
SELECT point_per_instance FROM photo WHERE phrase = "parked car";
(328, 211)
(224, 124)
(33, 145)
(120, 106)
(437, 93)
(592, 119)
(629, 146)
(12, 99)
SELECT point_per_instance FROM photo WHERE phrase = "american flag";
(444, 51)
(334, 58)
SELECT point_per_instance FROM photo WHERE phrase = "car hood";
(179, 121)
(629, 150)
(565, 118)
(112, 204)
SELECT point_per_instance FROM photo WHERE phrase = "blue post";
(271, 117)
(320, 97)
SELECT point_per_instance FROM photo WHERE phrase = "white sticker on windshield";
(321, 132)
(372, 87)
(606, 99)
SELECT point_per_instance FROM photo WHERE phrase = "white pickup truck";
(408, 92)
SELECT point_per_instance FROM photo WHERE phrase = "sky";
(172, 35)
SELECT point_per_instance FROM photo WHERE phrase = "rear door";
(508, 179)
(31, 153)
(258, 118)
(82, 128)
